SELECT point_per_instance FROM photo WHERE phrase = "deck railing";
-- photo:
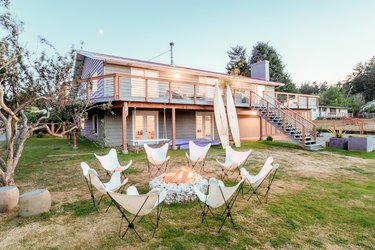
(127, 87)
(293, 100)
(287, 115)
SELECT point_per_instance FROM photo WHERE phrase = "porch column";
(260, 128)
(124, 139)
(174, 129)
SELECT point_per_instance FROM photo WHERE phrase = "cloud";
(101, 31)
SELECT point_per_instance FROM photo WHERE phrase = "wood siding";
(92, 67)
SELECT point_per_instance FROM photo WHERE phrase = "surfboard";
(221, 118)
(233, 118)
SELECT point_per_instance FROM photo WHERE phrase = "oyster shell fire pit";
(180, 185)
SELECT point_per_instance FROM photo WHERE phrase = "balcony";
(126, 87)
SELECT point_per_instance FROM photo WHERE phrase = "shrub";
(337, 133)
(269, 138)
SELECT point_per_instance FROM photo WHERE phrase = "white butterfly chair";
(137, 205)
(255, 181)
(233, 160)
(218, 195)
(197, 154)
(110, 162)
(157, 157)
(92, 180)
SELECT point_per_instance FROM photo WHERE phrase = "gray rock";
(9, 196)
(35, 203)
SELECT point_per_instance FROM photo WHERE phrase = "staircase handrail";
(292, 111)
(285, 114)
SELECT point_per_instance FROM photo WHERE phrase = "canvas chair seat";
(92, 180)
(157, 162)
(233, 160)
(197, 154)
(137, 205)
(110, 162)
(157, 158)
(217, 196)
(132, 190)
(269, 169)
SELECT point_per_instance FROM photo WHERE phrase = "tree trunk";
(7, 179)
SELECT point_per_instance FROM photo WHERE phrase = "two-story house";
(154, 101)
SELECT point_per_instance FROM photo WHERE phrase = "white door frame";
(146, 113)
(203, 125)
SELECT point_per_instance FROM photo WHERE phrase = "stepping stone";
(35, 203)
(9, 196)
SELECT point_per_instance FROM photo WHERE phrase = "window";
(95, 124)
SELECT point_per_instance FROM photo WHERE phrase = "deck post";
(146, 90)
(118, 87)
(260, 128)
(170, 91)
(303, 136)
(195, 93)
(174, 147)
(75, 139)
(124, 139)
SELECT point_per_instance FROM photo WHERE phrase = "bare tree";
(26, 79)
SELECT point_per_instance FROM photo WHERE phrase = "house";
(330, 112)
(153, 102)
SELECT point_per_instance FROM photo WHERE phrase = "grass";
(319, 200)
(353, 153)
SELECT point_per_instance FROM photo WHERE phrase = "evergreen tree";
(362, 80)
(237, 61)
(263, 51)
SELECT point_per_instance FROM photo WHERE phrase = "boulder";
(9, 196)
(35, 203)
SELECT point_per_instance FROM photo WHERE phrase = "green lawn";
(319, 200)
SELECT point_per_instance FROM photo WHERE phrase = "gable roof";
(81, 54)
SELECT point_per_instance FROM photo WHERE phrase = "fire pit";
(180, 185)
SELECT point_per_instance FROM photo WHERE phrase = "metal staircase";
(296, 127)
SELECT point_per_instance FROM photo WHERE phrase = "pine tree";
(237, 64)
(263, 51)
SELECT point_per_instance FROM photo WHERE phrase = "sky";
(320, 40)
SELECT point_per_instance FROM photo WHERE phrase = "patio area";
(318, 199)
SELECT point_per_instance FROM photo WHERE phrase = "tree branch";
(4, 107)
(30, 101)
(45, 126)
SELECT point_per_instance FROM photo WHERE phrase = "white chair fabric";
(111, 163)
(218, 193)
(196, 152)
(141, 204)
(256, 180)
(157, 154)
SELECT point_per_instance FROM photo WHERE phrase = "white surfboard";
(221, 118)
(233, 118)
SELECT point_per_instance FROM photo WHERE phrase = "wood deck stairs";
(297, 128)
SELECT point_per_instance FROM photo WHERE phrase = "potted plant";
(361, 143)
(338, 140)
